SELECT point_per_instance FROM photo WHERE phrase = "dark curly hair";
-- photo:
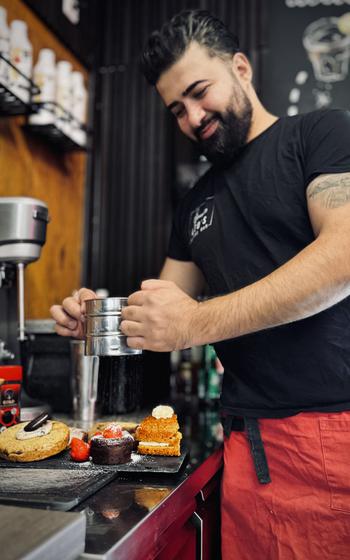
(166, 46)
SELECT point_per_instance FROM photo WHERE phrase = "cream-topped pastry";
(159, 434)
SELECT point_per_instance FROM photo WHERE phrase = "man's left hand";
(159, 317)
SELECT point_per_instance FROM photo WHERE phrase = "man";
(268, 229)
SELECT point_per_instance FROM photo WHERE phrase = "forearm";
(315, 279)
(185, 274)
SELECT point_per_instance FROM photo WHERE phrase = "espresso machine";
(23, 223)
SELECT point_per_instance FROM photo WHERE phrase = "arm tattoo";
(331, 191)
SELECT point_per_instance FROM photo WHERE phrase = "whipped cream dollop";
(39, 432)
(162, 411)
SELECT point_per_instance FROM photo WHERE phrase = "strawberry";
(113, 431)
(79, 450)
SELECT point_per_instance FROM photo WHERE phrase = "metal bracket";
(197, 522)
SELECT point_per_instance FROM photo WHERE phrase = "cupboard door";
(182, 546)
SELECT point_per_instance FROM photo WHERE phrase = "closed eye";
(178, 113)
(199, 94)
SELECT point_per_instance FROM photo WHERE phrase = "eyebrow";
(186, 92)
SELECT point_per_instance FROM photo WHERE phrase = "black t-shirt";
(239, 225)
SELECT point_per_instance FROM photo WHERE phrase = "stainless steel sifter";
(102, 328)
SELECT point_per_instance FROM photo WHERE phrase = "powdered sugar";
(136, 458)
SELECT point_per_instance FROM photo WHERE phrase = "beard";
(229, 137)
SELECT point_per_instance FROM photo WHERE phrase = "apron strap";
(257, 450)
(232, 424)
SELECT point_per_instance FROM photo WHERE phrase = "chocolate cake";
(111, 451)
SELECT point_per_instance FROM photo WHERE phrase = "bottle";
(44, 76)
(185, 379)
(63, 120)
(4, 47)
(196, 359)
(210, 377)
(79, 105)
(215, 371)
(175, 356)
(21, 57)
(202, 379)
(181, 378)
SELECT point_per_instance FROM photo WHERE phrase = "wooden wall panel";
(29, 167)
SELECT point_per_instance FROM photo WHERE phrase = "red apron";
(304, 512)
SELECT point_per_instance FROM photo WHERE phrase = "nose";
(196, 115)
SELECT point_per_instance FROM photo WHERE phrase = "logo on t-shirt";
(201, 218)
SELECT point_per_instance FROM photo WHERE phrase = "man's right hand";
(70, 316)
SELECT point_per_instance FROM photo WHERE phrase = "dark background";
(140, 164)
(286, 56)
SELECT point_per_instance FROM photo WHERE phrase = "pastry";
(20, 446)
(159, 433)
(100, 426)
(111, 447)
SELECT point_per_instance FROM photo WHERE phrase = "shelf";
(10, 104)
(56, 136)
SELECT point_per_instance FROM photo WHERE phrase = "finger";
(136, 342)
(62, 317)
(85, 294)
(131, 328)
(137, 298)
(63, 331)
(72, 307)
(132, 312)
(153, 284)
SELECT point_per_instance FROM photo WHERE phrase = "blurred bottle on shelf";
(20, 56)
(196, 360)
(64, 96)
(44, 76)
(79, 107)
(4, 47)
(210, 377)
(184, 366)
(184, 374)
(174, 365)
(202, 379)
(196, 374)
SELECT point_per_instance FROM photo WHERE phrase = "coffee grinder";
(23, 223)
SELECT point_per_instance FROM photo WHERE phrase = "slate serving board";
(51, 488)
(142, 464)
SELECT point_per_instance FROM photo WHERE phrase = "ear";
(241, 68)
